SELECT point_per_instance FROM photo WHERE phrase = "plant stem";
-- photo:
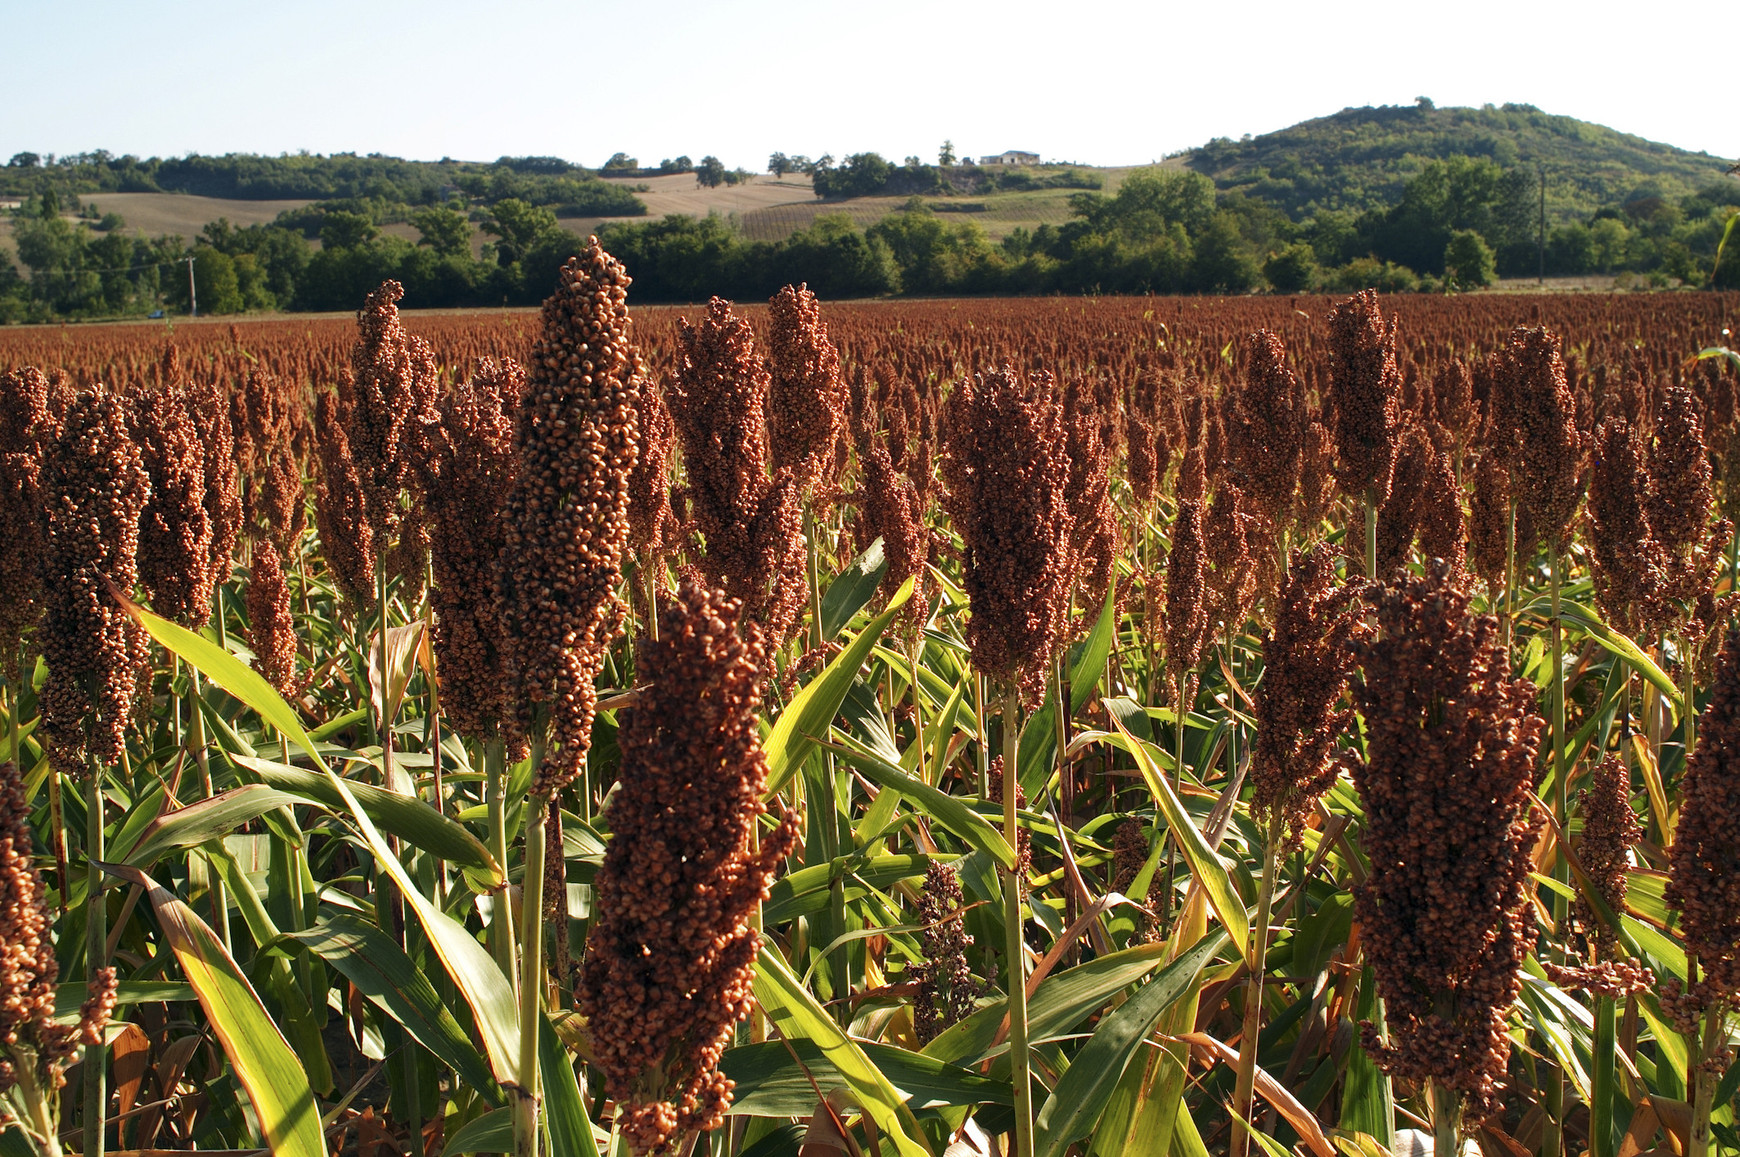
(531, 980)
(1561, 748)
(1371, 514)
(1446, 1121)
(1602, 1134)
(1701, 1077)
(1019, 1061)
(918, 705)
(815, 580)
(501, 927)
(1689, 719)
(1509, 572)
(220, 903)
(1245, 1085)
(96, 948)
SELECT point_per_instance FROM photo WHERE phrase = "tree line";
(1459, 224)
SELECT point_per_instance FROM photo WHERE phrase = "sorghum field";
(1090, 726)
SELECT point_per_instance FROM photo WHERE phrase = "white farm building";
(1012, 157)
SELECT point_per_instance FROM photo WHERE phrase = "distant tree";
(1607, 238)
(1222, 261)
(799, 163)
(345, 230)
(1469, 261)
(446, 231)
(1293, 269)
(680, 165)
(946, 155)
(24, 161)
(621, 163)
(779, 164)
(860, 175)
(1424, 103)
(710, 173)
(214, 275)
(519, 226)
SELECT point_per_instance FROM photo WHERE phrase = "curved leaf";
(381, 971)
(263, 1060)
(1082, 1093)
(812, 709)
(942, 808)
(491, 1133)
(1205, 864)
(407, 817)
(1622, 646)
(565, 1112)
(207, 820)
(790, 1006)
(852, 588)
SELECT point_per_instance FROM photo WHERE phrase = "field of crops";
(1065, 727)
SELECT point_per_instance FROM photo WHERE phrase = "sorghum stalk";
(1018, 1058)
(1371, 514)
(1446, 1120)
(1245, 1085)
(501, 927)
(531, 978)
(1506, 621)
(220, 905)
(96, 952)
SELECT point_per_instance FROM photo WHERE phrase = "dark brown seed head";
(1094, 539)
(1006, 472)
(175, 530)
(271, 629)
(752, 523)
(806, 401)
(566, 519)
(1363, 404)
(671, 958)
(1424, 503)
(1235, 546)
(946, 988)
(1535, 423)
(1266, 429)
(28, 969)
(1187, 596)
(1683, 498)
(1447, 786)
(889, 509)
(1610, 830)
(392, 387)
(1628, 563)
(94, 489)
(347, 541)
(208, 405)
(25, 428)
(1703, 883)
(1307, 659)
(652, 524)
(470, 470)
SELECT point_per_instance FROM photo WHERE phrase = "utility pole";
(1543, 266)
(192, 290)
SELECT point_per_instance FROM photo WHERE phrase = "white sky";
(1095, 81)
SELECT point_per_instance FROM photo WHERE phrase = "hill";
(1362, 158)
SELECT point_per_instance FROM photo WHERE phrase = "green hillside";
(1361, 158)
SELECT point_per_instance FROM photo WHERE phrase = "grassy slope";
(1360, 158)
